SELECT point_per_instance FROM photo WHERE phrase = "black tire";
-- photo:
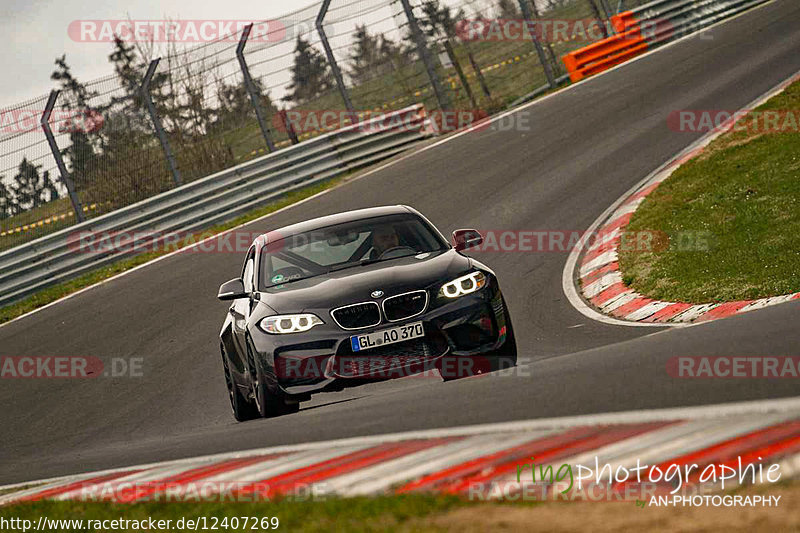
(501, 359)
(241, 408)
(267, 405)
(290, 408)
(445, 367)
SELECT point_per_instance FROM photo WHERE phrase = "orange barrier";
(607, 53)
(624, 21)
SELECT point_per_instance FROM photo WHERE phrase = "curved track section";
(605, 297)
(587, 146)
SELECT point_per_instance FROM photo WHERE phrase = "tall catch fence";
(170, 111)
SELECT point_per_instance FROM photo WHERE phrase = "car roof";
(339, 218)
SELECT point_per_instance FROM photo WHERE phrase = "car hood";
(356, 284)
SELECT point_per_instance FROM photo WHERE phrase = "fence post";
(477, 69)
(151, 109)
(606, 8)
(424, 54)
(548, 72)
(459, 71)
(555, 64)
(251, 87)
(337, 73)
(289, 126)
(62, 168)
(599, 17)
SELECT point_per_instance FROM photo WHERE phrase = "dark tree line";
(29, 189)
(370, 55)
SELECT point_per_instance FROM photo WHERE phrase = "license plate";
(387, 336)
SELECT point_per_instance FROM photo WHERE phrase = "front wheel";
(267, 404)
(242, 409)
(457, 367)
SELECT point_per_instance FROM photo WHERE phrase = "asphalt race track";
(586, 147)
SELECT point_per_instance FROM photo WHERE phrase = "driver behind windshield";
(383, 238)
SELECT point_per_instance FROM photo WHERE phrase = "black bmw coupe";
(360, 296)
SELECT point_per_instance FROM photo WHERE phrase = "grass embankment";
(430, 512)
(733, 218)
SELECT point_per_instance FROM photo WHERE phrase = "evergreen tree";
(8, 204)
(129, 69)
(130, 66)
(311, 75)
(438, 21)
(29, 186)
(235, 106)
(129, 106)
(372, 55)
(76, 99)
(508, 9)
(365, 54)
(78, 95)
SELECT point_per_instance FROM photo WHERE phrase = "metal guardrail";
(216, 198)
(648, 26)
(672, 19)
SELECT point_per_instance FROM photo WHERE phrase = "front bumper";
(322, 358)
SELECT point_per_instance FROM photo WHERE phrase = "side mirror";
(466, 238)
(231, 290)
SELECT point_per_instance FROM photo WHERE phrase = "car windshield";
(347, 245)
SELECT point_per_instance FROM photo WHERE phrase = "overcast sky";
(38, 33)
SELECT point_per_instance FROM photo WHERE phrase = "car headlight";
(464, 285)
(282, 324)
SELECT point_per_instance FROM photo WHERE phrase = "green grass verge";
(383, 513)
(733, 218)
(51, 294)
